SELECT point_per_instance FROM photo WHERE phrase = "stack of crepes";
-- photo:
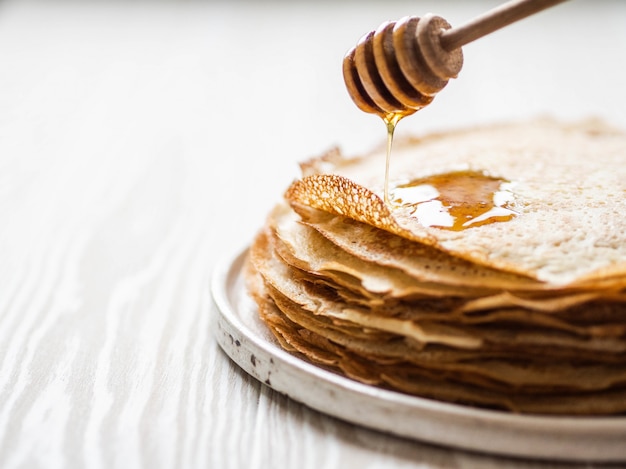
(526, 313)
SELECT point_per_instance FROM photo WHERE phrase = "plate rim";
(568, 431)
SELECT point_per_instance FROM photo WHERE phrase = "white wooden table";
(141, 143)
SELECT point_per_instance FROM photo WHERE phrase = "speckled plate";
(247, 341)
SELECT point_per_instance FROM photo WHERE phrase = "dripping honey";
(391, 121)
(453, 201)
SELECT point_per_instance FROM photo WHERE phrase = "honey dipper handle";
(493, 20)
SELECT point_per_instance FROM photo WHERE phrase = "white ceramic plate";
(248, 342)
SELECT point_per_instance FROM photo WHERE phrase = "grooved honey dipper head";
(399, 68)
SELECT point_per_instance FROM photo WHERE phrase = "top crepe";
(568, 182)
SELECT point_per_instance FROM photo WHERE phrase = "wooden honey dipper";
(399, 68)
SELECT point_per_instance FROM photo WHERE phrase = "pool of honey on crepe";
(516, 302)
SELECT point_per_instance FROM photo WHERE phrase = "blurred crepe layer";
(503, 315)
